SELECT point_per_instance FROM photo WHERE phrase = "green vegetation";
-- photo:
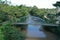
(20, 14)
(14, 13)
(11, 32)
(1, 35)
(54, 29)
(46, 14)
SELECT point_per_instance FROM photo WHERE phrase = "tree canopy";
(57, 4)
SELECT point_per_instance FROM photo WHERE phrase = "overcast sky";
(38, 3)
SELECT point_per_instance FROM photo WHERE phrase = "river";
(34, 27)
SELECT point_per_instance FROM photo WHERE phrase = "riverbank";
(49, 36)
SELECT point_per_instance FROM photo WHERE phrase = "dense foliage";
(54, 29)
(3, 16)
(57, 4)
(46, 14)
(10, 32)
(1, 35)
(20, 14)
(14, 13)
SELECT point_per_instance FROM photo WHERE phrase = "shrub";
(1, 35)
(11, 33)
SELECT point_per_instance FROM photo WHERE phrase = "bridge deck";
(36, 24)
